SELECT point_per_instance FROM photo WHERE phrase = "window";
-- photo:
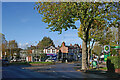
(48, 51)
(53, 51)
(70, 50)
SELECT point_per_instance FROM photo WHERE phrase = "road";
(61, 70)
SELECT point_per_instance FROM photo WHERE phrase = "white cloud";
(24, 45)
(19, 45)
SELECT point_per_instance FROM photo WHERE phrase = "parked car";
(49, 60)
(13, 60)
(5, 62)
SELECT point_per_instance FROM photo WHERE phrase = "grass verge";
(41, 62)
(19, 63)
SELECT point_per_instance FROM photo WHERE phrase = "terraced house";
(72, 52)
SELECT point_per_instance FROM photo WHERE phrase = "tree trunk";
(89, 55)
(84, 55)
(119, 40)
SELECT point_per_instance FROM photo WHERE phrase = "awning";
(51, 54)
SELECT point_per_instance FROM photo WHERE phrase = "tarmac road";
(61, 70)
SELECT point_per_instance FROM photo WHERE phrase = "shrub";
(115, 60)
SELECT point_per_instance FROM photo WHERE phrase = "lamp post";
(36, 51)
(10, 52)
(27, 50)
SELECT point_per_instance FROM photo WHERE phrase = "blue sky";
(22, 23)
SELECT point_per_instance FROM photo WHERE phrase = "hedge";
(115, 60)
(41, 62)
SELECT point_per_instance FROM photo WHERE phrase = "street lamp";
(36, 51)
(26, 48)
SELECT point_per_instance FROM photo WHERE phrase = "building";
(36, 53)
(26, 55)
(23, 55)
(72, 52)
(51, 51)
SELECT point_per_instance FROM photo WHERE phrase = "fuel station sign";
(107, 48)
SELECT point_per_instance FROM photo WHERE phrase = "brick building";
(72, 52)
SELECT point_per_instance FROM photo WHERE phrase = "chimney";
(70, 44)
(63, 44)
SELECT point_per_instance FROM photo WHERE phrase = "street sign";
(115, 47)
(107, 48)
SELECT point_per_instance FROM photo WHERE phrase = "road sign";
(115, 47)
(106, 56)
(107, 48)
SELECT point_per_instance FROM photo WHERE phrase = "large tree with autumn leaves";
(62, 16)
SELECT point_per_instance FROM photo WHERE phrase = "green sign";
(107, 48)
(115, 47)
(105, 56)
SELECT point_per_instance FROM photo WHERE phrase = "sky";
(22, 23)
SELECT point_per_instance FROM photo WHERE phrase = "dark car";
(5, 62)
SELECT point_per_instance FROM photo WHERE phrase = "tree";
(62, 15)
(13, 47)
(114, 32)
(94, 35)
(113, 52)
(3, 44)
(13, 44)
(45, 42)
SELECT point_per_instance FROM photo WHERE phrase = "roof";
(50, 47)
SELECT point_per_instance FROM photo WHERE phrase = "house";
(51, 51)
(36, 53)
(26, 55)
(23, 54)
(71, 52)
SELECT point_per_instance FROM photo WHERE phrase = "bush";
(115, 60)
(113, 52)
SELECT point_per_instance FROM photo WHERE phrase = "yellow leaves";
(80, 34)
(106, 14)
(98, 12)
(58, 19)
(95, 21)
(44, 14)
(39, 11)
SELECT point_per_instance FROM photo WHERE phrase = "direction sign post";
(106, 52)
